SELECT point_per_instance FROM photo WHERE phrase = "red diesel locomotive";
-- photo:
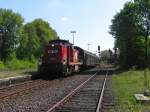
(62, 58)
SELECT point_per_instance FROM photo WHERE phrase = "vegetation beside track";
(18, 64)
(17, 67)
(128, 83)
(21, 44)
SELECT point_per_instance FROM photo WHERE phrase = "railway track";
(14, 90)
(90, 96)
(108, 100)
(39, 95)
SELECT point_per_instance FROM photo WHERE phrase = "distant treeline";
(23, 41)
(131, 30)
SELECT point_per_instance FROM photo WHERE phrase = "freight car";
(88, 59)
(62, 58)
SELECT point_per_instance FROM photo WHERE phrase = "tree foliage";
(143, 11)
(105, 55)
(24, 41)
(129, 28)
(35, 35)
(10, 24)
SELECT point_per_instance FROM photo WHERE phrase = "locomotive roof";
(59, 41)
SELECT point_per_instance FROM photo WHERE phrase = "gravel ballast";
(42, 98)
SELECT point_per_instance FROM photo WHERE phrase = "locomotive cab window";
(54, 51)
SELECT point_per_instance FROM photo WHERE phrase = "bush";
(2, 66)
(20, 64)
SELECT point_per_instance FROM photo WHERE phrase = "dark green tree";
(10, 24)
(143, 11)
(34, 37)
(105, 56)
(128, 36)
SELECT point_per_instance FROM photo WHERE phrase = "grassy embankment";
(128, 83)
(16, 68)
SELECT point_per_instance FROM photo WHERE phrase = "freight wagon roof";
(89, 53)
(79, 49)
(86, 52)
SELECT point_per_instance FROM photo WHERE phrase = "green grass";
(16, 67)
(2, 66)
(15, 64)
(20, 64)
(125, 85)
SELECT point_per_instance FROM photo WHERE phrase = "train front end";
(53, 59)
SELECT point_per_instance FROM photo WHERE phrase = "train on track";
(63, 58)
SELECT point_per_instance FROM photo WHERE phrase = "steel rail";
(101, 94)
(70, 94)
(20, 84)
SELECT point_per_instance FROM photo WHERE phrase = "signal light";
(98, 48)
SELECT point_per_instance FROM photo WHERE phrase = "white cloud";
(64, 19)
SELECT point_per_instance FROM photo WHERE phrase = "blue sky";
(90, 18)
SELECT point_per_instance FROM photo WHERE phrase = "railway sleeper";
(75, 109)
(107, 107)
(108, 110)
(84, 100)
(108, 100)
(81, 103)
(108, 103)
(89, 96)
(80, 106)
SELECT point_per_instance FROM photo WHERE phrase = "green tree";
(34, 37)
(143, 11)
(105, 56)
(128, 36)
(10, 24)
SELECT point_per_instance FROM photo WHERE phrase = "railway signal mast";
(99, 51)
(89, 47)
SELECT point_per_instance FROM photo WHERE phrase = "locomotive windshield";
(54, 51)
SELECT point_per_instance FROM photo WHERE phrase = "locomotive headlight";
(64, 61)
